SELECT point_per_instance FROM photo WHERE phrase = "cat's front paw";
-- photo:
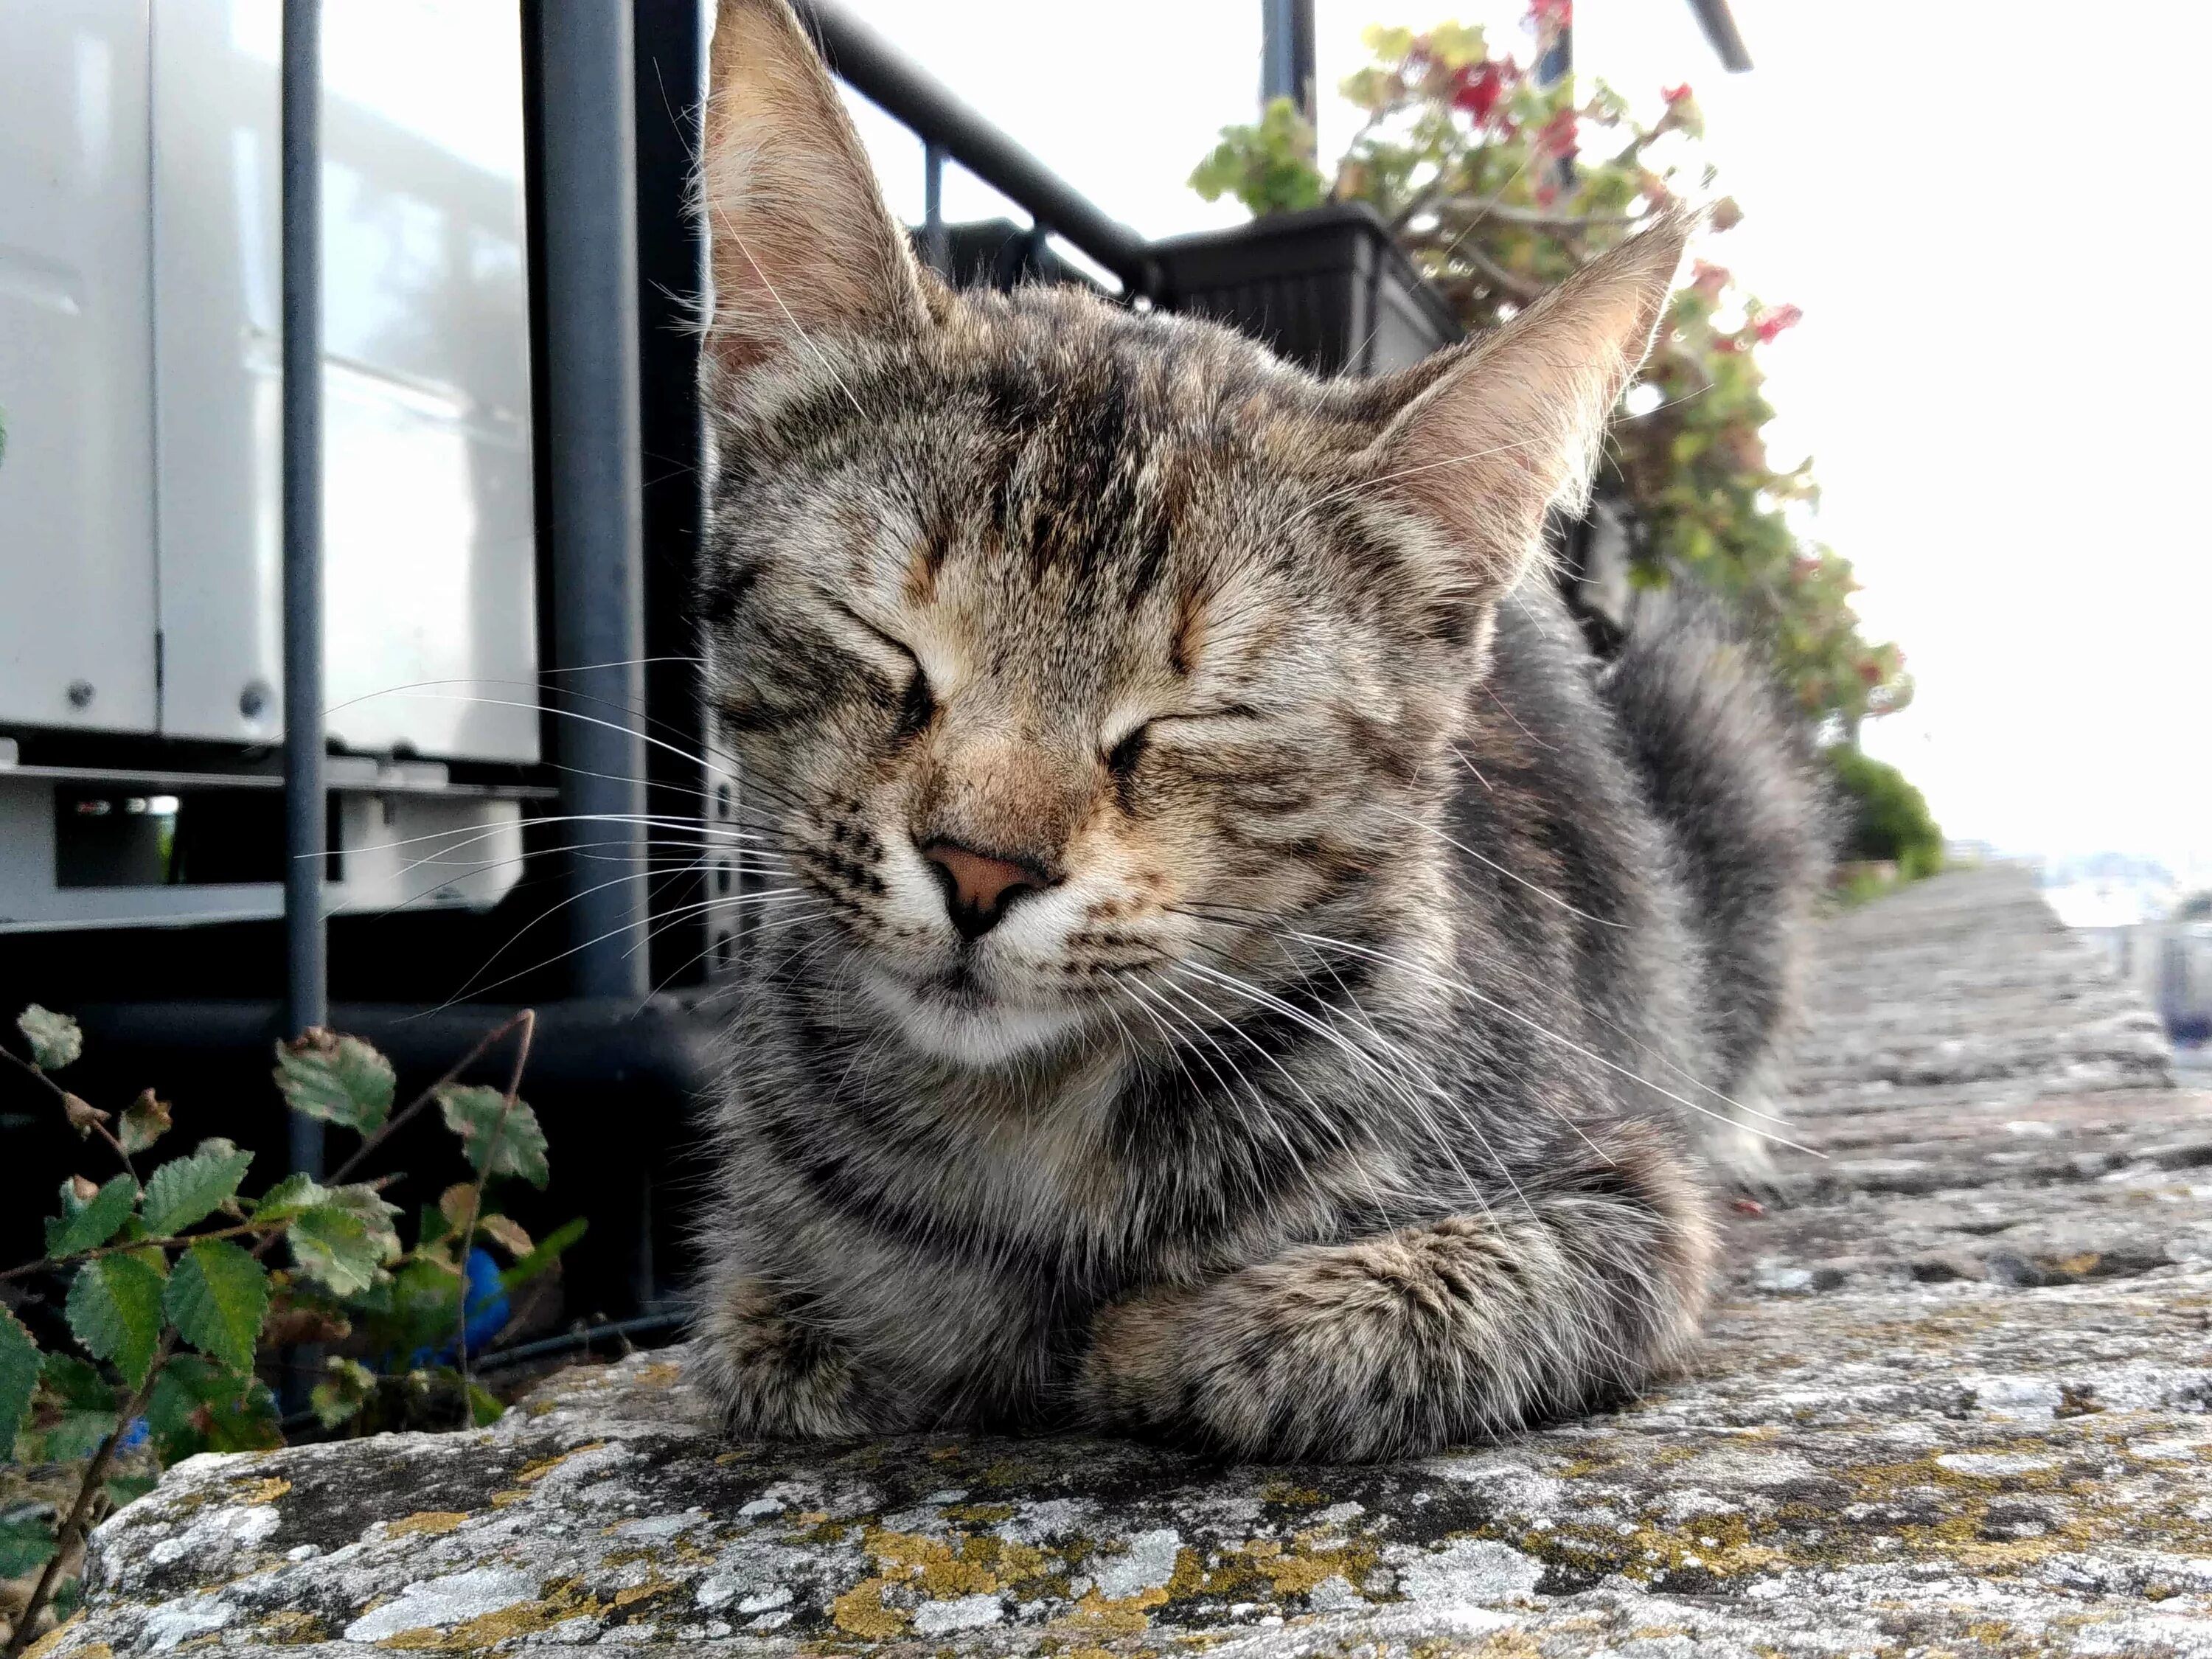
(773, 1375)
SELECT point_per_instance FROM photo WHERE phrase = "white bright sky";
(2000, 371)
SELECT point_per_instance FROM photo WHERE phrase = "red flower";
(1478, 88)
(1674, 95)
(1546, 193)
(1775, 321)
(1550, 17)
(1556, 137)
(1709, 281)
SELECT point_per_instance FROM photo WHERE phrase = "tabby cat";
(1248, 977)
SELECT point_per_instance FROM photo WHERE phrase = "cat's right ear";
(801, 244)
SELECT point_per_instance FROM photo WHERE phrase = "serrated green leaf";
(197, 1406)
(76, 1385)
(174, 1410)
(87, 1226)
(115, 1311)
(217, 1298)
(513, 1146)
(293, 1195)
(340, 1079)
(186, 1190)
(340, 1236)
(82, 1403)
(19, 1381)
(54, 1038)
(26, 1540)
(335, 1248)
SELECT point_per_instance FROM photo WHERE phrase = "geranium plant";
(1499, 186)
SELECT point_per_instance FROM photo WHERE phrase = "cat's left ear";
(1514, 425)
(801, 243)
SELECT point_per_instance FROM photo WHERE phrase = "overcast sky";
(1994, 238)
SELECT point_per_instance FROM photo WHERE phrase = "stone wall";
(1953, 1400)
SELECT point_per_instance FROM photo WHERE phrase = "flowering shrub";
(140, 1337)
(1499, 187)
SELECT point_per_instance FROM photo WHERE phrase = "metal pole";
(876, 70)
(589, 231)
(1286, 54)
(936, 248)
(305, 942)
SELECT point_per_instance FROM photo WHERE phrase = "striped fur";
(1340, 1093)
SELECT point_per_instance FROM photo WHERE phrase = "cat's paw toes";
(776, 1377)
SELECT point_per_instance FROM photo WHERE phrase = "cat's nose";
(978, 887)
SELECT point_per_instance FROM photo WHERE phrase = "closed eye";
(1122, 758)
(918, 704)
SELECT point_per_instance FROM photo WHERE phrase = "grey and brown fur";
(1340, 1088)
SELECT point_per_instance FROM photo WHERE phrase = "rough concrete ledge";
(1954, 1401)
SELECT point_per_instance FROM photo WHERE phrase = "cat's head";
(1071, 653)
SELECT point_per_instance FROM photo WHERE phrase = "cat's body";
(1253, 979)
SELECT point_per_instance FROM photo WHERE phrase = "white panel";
(427, 488)
(76, 530)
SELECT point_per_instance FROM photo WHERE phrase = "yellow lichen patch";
(980, 1514)
(428, 1522)
(259, 1492)
(564, 1599)
(1124, 1616)
(654, 1585)
(938, 1567)
(290, 1627)
(860, 1612)
(52, 1639)
(543, 1408)
(1505, 1644)
(538, 1469)
(661, 1376)
(1303, 1565)
(499, 1500)
(1284, 1491)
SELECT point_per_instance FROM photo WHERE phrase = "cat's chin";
(966, 1026)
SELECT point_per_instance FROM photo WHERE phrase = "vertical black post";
(1286, 54)
(305, 941)
(670, 82)
(588, 152)
(936, 243)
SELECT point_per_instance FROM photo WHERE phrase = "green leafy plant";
(161, 1302)
(1499, 186)
(1888, 820)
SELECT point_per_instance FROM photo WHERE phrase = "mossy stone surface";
(1956, 1398)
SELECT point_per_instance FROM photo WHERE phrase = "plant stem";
(177, 1243)
(528, 1019)
(74, 1527)
(62, 1097)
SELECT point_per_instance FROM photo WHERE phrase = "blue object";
(488, 1312)
(135, 1434)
